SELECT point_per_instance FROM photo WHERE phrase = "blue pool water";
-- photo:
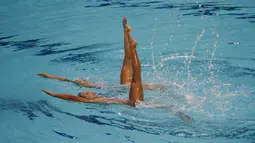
(206, 45)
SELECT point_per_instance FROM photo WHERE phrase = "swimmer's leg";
(160, 87)
(126, 71)
(154, 87)
(136, 89)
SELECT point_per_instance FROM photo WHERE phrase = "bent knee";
(133, 43)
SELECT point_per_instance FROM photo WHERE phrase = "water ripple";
(65, 135)
(7, 37)
(194, 9)
(90, 57)
(21, 45)
(50, 51)
(199, 129)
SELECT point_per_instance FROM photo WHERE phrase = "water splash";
(190, 78)
(152, 47)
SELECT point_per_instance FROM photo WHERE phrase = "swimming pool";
(206, 45)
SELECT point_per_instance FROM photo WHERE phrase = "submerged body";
(130, 77)
(89, 84)
(136, 87)
(91, 97)
(85, 97)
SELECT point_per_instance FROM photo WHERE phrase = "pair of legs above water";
(126, 74)
(136, 88)
(130, 75)
(126, 70)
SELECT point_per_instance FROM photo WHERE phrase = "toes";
(124, 20)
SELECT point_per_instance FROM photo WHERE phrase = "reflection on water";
(194, 9)
(92, 55)
(207, 129)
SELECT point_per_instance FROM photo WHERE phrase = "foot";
(125, 25)
(44, 75)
